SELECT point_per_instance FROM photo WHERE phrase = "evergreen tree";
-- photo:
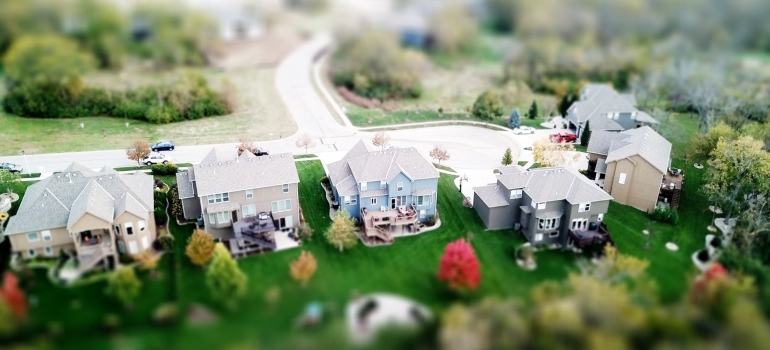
(123, 285)
(533, 110)
(507, 158)
(586, 136)
(515, 120)
(226, 282)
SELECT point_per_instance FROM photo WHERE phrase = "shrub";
(159, 196)
(305, 232)
(431, 221)
(160, 215)
(167, 241)
(325, 180)
(165, 169)
(166, 314)
(665, 214)
(525, 253)
(111, 322)
(175, 204)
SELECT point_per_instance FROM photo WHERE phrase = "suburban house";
(551, 206)
(243, 200)
(634, 167)
(91, 215)
(606, 109)
(387, 190)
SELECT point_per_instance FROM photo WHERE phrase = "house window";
(541, 205)
(133, 248)
(349, 200)
(249, 210)
(584, 207)
(422, 214)
(223, 217)
(129, 228)
(141, 225)
(46, 235)
(547, 224)
(400, 186)
(145, 243)
(219, 198)
(538, 237)
(423, 200)
(31, 253)
(121, 247)
(249, 194)
(622, 179)
(600, 217)
(285, 188)
(553, 234)
(48, 251)
(33, 237)
(579, 224)
(374, 201)
(363, 186)
(419, 200)
(515, 194)
(382, 185)
(283, 205)
(212, 218)
(115, 228)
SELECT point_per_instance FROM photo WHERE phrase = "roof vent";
(42, 205)
(220, 163)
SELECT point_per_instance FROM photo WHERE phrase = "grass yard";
(679, 128)
(259, 105)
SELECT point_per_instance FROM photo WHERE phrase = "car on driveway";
(563, 137)
(155, 158)
(524, 130)
(163, 146)
(14, 168)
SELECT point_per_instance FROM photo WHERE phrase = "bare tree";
(381, 140)
(245, 144)
(439, 153)
(140, 150)
(305, 141)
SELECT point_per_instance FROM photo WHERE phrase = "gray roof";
(491, 196)
(361, 165)
(423, 192)
(347, 187)
(128, 204)
(601, 166)
(507, 169)
(643, 142)
(57, 197)
(224, 206)
(601, 99)
(185, 185)
(552, 184)
(374, 193)
(224, 171)
(550, 214)
(600, 141)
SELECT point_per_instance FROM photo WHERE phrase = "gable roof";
(491, 195)
(601, 99)
(224, 171)
(552, 184)
(643, 142)
(67, 196)
(362, 165)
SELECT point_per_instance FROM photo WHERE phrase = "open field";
(260, 114)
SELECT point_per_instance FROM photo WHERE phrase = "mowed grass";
(259, 114)
(407, 268)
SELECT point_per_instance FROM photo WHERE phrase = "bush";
(305, 232)
(167, 241)
(111, 322)
(166, 314)
(165, 169)
(175, 204)
(325, 180)
(160, 215)
(665, 214)
(525, 253)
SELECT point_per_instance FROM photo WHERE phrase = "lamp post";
(25, 161)
(463, 178)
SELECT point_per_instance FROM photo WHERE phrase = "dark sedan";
(163, 146)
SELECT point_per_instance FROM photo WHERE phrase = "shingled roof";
(362, 165)
(644, 142)
(61, 199)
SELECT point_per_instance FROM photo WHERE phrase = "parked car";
(524, 130)
(563, 137)
(14, 168)
(155, 158)
(163, 146)
(259, 151)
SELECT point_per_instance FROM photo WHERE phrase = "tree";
(303, 268)
(533, 110)
(459, 267)
(487, 106)
(515, 120)
(439, 153)
(46, 58)
(148, 261)
(226, 282)
(305, 141)
(586, 136)
(701, 146)
(342, 233)
(245, 144)
(200, 247)
(124, 285)
(507, 158)
(140, 150)
(305, 232)
(12, 296)
(550, 154)
(381, 140)
(453, 29)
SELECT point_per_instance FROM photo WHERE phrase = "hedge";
(164, 169)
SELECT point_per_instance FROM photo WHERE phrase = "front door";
(235, 215)
(393, 203)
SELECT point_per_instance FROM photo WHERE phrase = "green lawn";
(679, 129)
(443, 167)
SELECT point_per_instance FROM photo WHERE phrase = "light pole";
(463, 178)
(26, 162)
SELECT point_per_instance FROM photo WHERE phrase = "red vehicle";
(563, 137)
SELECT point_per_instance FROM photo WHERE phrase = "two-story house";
(606, 109)
(91, 215)
(552, 206)
(387, 190)
(633, 166)
(243, 200)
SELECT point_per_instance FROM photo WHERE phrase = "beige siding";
(642, 183)
(149, 231)
(90, 222)
(262, 199)
(60, 239)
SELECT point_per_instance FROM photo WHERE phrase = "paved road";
(470, 147)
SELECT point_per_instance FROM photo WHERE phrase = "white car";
(155, 158)
(524, 130)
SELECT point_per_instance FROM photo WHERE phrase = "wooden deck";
(671, 188)
(378, 225)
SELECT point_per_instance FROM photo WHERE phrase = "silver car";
(14, 168)
(524, 130)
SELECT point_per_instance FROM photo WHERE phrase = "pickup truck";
(563, 137)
